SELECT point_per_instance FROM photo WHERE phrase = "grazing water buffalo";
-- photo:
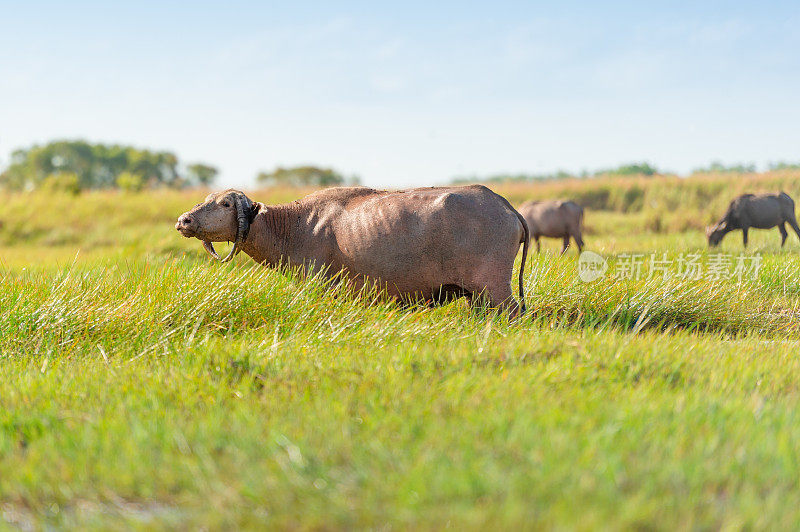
(554, 219)
(760, 211)
(431, 243)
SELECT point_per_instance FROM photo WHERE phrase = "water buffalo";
(760, 211)
(430, 243)
(554, 219)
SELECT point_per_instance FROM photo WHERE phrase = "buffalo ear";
(255, 208)
(716, 227)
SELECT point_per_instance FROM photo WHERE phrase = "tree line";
(76, 165)
(305, 176)
(640, 169)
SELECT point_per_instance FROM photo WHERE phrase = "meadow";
(144, 386)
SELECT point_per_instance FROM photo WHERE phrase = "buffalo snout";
(186, 224)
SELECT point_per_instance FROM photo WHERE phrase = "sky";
(407, 93)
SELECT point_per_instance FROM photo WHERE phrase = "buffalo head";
(223, 217)
(715, 233)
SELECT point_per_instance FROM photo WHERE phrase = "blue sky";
(410, 93)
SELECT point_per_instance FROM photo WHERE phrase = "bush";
(632, 169)
(68, 182)
(130, 182)
(305, 176)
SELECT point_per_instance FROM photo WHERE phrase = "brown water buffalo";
(431, 243)
(759, 211)
(554, 219)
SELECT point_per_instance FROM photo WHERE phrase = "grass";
(143, 386)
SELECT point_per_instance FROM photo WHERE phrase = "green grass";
(143, 386)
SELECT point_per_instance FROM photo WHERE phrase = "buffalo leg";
(744, 236)
(793, 224)
(498, 297)
(503, 300)
(539, 245)
(784, 234)
(578, 241)
(565, 245)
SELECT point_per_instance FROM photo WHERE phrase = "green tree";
(201, 174)
(130, 182)
(630, 169)
(96, 166)
(717, 167)
(782, 165)
(310, 176)
(507, 178)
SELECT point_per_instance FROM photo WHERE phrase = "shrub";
(130, 182)
(68, 182)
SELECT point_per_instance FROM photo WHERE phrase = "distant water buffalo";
(759, 211)
(554, 219)
(430, 243)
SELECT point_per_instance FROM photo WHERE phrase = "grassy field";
(142, 385)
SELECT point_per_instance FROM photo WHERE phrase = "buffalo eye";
(226, 204)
